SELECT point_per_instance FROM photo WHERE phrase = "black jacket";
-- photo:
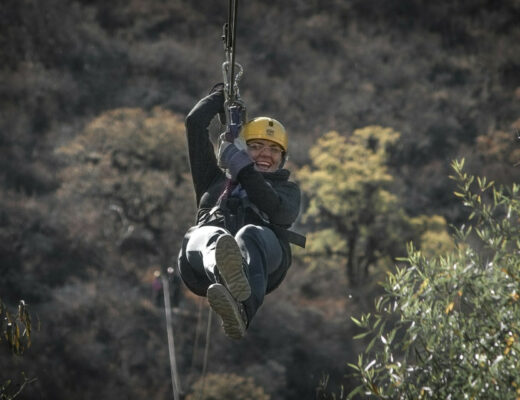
(277, 198)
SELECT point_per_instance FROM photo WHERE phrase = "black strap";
(290, 236)
(230, 213)
(296, 238)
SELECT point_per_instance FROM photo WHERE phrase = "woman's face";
(267, 155)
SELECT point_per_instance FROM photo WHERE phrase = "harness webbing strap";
(291, 236)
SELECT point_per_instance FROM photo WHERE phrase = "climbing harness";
(235, 117)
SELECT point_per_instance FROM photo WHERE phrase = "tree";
(127, 181)
(356, 219)
(127, 194)
(448, 327)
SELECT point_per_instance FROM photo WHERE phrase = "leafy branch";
(16, 329)
(447, 327)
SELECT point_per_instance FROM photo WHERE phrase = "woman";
(239, 250)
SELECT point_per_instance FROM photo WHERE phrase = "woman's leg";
(200, 250)
(210, 255)
(263, 255)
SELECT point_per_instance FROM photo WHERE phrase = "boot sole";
(225, 306)
(229, 264)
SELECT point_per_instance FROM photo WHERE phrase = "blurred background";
(96, 193)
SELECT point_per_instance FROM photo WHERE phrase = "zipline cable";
(232, 73)
(235, 116)
(233, 44)
(235, 113)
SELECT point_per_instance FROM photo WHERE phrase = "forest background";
(95, 191)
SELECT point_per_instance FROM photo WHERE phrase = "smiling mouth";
(263, 165)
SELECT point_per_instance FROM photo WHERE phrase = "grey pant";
(260, 249)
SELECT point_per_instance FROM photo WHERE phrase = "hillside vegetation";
(95, 191)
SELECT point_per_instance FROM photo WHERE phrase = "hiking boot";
(230, 266)
(231, 312)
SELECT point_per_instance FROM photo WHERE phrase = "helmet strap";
(285, 156)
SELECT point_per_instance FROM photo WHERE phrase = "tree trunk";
(351, 250)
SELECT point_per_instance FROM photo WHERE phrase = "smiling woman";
(239, 250)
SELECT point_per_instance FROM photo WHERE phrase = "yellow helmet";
(265, 128)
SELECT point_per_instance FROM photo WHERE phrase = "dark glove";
(223, 143)
(233, 159)
(219, 87)
(222, 146)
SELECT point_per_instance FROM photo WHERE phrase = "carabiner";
(231, 91)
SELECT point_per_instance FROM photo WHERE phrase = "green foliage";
(349, 198)
(356, 219)
(433, 237)
(350, 170)
(15, 330)
(126, 194)
(498, 154)
(431, 70)
(128, 174)
(133, 139)
(322, 393)
(448, 327)
(226, 386)
(9, 390)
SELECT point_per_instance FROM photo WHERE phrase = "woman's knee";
(202, 236)
(251, 238)
(192, 277)
(253, 232)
